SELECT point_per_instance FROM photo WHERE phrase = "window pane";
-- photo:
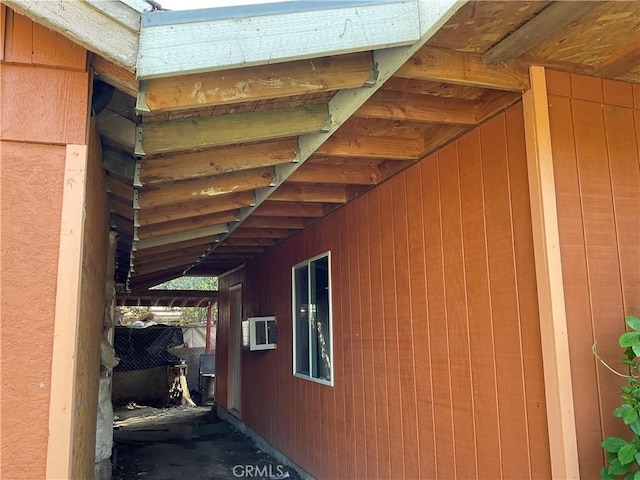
(261, 332)
(319, 309)
(302, 320)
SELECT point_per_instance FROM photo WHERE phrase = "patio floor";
(186, 442)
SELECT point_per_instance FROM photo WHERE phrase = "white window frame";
(307, 263)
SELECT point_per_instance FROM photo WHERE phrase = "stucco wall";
(44, 104)
(437, 356)
(595, 135)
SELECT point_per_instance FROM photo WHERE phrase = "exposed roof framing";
(167, 298)
(211, 40)
(214, 164)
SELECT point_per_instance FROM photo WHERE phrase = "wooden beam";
(554, 17)
(115, 75)
(180, 135)
(118, 130)
(239, 250)
(551, 304)
(120, 189)
(81, 23)
(431, 16)
(246, 232)
(310, 193)
(122, 224)
(119, 164)
(206, 163)
(494, 102)
(412, 107)
(283, 209)
(622, 63)
(449, 66)
(62, 399)
(143, 257)
(142, 282)
(185, 191)
(187, 224)
(202, 243)
(258, 83)
(204, 206)
(276, 222)
(335, 174)
(207, 44)
(183, 262)
(442, 135)
(250, 242)
(209, 233)
(120, 208)
(370, 147)
(118, 12)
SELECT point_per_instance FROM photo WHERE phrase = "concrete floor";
(186, 443)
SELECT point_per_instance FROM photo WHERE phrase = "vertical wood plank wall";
(437, 357)
(44, 98)
(92, 306)
(595, 136)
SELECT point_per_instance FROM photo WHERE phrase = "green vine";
(623, 457)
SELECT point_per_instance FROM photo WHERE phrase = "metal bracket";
(137, 149)
(141, 100)
(136, 175)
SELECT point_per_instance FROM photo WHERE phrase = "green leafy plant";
(623, 457)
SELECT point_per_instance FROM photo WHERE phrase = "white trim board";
(224, 43)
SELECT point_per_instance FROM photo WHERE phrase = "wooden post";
(553, 321)
(65, 335)
(207, 344)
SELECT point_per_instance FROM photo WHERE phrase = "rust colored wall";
(43, 108)
(92, 308)
(31, 182)
(595, 135)
(437, 357)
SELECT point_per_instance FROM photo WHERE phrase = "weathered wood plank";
(203, 206)
(120, 189)
(191, 223)
(185, 191)
(442, 65)
(370, 147)
(119, 164)
(84, 25)
(223, 43)
(210, 232)
(115, 75)
(335, 174)
(394, 105)
(217, 161)
(258, 83)
(180, 135)
(248, 232)
(118, 12)
(282, 209)
(554, 17)
(310, 193)
(494, 102)
(276, 222)
(119, 130)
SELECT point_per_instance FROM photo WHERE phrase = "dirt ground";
(186, 443)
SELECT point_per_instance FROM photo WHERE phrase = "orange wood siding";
(437, 357)
(44, 106)
(596, 141)
(29, 273)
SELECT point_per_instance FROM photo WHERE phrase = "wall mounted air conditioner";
(259, 333)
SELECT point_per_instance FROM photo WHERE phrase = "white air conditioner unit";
(259, 333)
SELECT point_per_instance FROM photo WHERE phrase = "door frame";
(235, 351)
